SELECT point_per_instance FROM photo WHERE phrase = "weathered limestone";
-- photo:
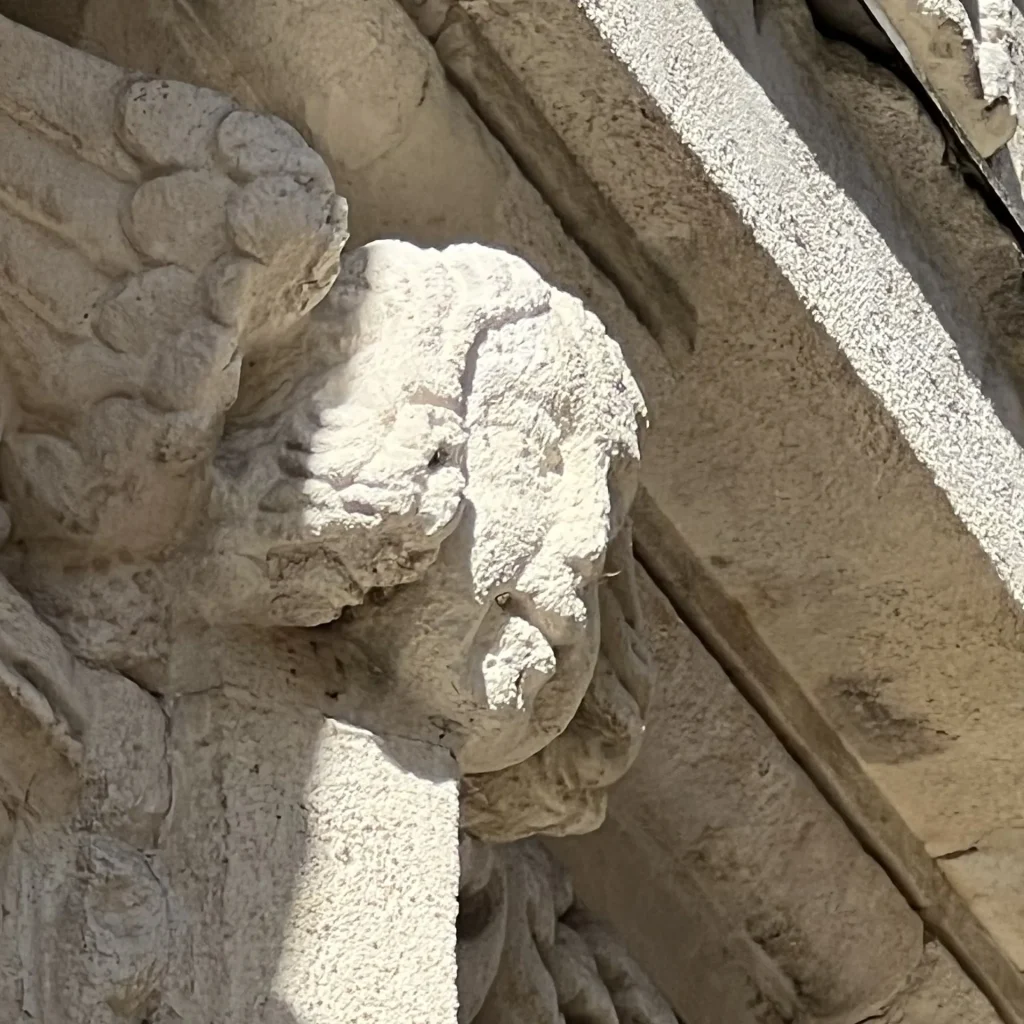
(855, 375)
(529, 952)
(198, 471)
(718, 811)
(421, 384)
(86, 921)
(966, 60)
(311, 865)
(209, 859)
(336, 579)
(561, 789)
(435, 177)
(151, 235)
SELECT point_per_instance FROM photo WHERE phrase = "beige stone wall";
(823, 323)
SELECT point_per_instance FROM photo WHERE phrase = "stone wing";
(151, 234)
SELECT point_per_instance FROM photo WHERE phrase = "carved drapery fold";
(84, 789)
(152, 234)
(528, 951)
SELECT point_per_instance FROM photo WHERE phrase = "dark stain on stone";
(62, 21)
(957, 854)
(882, 733)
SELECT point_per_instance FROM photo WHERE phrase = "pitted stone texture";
(221, 857)
(147, 244)
(42, 710)
(460, 423)
(838, 451)
(390, 139)
(434, 397)
(91, 921)
(244, 233)
(431, 386)
(85, 928)
(940, 993)
(407, 151)
(316, 867)
(673, 927)
(562, 789)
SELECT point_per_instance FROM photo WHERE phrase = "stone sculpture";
(233, 456)
(561, 789)
(529, 952)
(84, 788)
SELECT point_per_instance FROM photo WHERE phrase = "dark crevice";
(971, 167)
(957, 854)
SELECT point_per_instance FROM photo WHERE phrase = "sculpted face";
(494, 415)
(449, 469)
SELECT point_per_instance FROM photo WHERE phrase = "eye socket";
(439, 458)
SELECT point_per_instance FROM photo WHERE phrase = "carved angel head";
(444, 446)
(449, 466)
